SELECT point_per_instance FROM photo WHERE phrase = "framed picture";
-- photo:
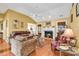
(77, 9)
(2, 26)
(15, 24)
(22, 24)
(48, 23)
(73, 42)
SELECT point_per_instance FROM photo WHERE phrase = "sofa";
(28, 47)
(22, 45)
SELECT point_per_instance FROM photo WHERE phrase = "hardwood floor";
(5, 49)
(45, 50)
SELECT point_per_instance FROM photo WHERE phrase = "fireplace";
(48, 33)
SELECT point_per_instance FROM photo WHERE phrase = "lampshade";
(68, 33)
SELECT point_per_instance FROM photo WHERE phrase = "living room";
(32, 29)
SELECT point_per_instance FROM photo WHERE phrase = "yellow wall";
(1, 16)
(12, 15)
(9, 18)
(53, 22)
(75, 24)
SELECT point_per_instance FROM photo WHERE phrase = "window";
(22, 24)
(1, 26)
(77, 9)
(71, 18)
(61, 26)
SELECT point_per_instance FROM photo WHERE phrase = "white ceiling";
(39, 11)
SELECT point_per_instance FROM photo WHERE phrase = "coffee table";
(72, 50)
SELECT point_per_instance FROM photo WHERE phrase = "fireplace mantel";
(48, 29)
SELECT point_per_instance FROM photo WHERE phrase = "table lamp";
(68, 33)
